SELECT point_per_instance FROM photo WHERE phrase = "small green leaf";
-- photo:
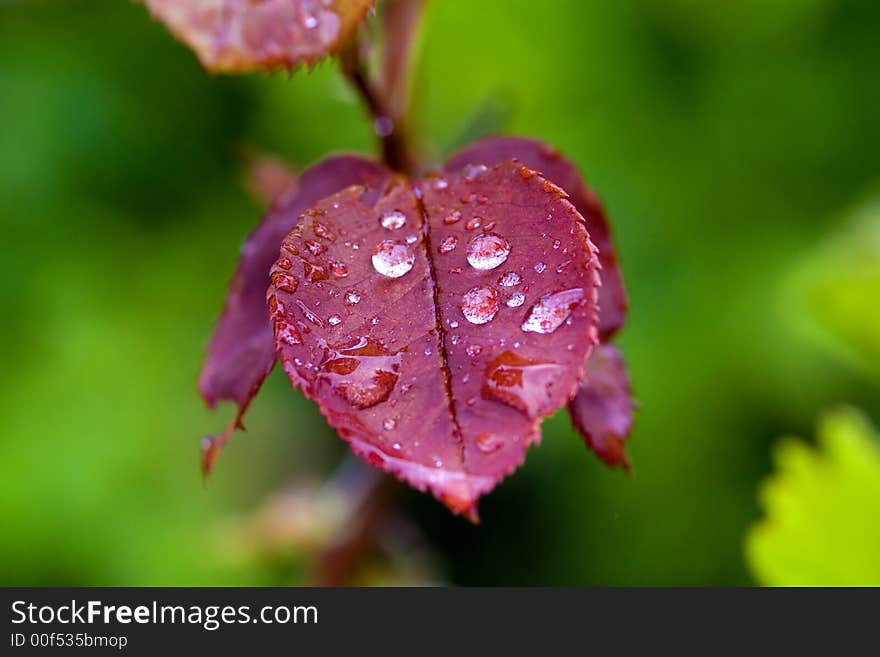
(822, 509)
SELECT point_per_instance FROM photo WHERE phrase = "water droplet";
(393, 220)
(383, 126)
(453, 324)
(487, 251)
(438, 463)
(516, 300)
(479, 305)
(552, 310)
(321, 230)
(441, 183)
(284, 282)
(489, 442)
(540, 267)
(374, 321)
(455, 339)
(489, 227)
(452, 217)
(314, 272)
(428, 352)
(396, 447)
(285, 263)
(389, 424)
(448, 244)
(474, 350)
(526, 172)
(473, 171)
(521, 383)
(309, 314)
(474, 223)
(563, 266)
(334, 320)
(363, 373)
(287, 333)
(315, 247)
(310, 22)
(411, 239)
(510, 279)
(339, 269)
(392, 259)
(556, 244)
(352, 297)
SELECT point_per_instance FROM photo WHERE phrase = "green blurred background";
(736, 146)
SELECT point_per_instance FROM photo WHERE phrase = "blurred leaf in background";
(839, 286)
(822, 506)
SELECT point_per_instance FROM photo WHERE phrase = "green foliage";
(822, 524)
(841, 286)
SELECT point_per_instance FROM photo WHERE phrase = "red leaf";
(562, 171)
(437, 323)
(242, 352)
(243, 35)
(602, 410)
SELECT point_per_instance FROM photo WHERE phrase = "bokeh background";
(736, 146)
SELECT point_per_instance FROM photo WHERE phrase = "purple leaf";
(602, 410)
(436, 323)
(612, 295)
(244, 35)
(242, 351)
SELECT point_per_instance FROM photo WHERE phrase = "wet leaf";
(241, 352)
(244, 35)
(562, 171)
(602, 409)
(436, 322)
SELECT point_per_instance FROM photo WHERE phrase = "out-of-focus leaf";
(840, 283)
(602, 409)
(438, 322)
(822, 509)
(241, 352)
(244, 35)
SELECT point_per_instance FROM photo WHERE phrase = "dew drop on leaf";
(334, 320)
(479, 305)
(352, 297)
(448, 244)
(393, 220)
(487, 251)
(473, 223)
(392, 259)
(551, 310)
(339, 269)
(516, 299)
(452, 218)
(363, 374)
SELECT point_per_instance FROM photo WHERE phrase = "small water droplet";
(479, 305)
(441, 183)
(516, 300)
(389, 424)
(540, 267)
(310, 22)
(473, 171)
(549, 313)
(284, 282)
(396, 447)
(309, 314)
(287, 333)
(489, 442)
(487, 251)
(323, 231)
(374, 321)
(448, 244)
(352, 297)
(314, 272)
(489, 227)
(557, 244)
(428, 352)
(334, 320)
(563, 266)
(474, 223)
(474, 350)
(453, 324)
(285, 263)
(438, 463)
(411, 239)
(393, 220)
(392, 259)
(510, 279)
(339, 269)
(315, 247)
(455, 339)
(452, 217)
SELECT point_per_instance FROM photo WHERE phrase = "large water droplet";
(393, 220)
(552, 310)
(487, 251)
(479, 305)
(392, 259)
(521, 383)
(363, 373)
